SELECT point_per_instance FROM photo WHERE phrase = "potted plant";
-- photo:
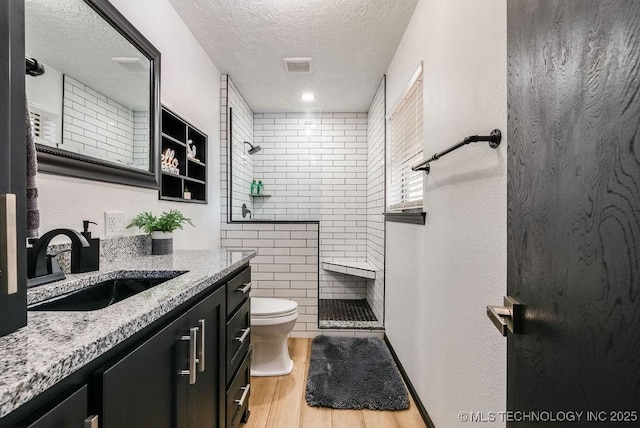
(160, 228)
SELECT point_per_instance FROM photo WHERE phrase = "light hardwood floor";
(278, 402)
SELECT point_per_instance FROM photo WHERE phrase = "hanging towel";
(33, 214)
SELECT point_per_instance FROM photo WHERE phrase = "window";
(43, 125)
(406, 135)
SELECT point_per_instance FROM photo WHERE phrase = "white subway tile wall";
(314, 166)
(376, 141)
(141, 139)
(95, 125)
(286, 265)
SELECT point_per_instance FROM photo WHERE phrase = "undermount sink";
(102, 294)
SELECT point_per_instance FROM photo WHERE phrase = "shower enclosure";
(324, 169)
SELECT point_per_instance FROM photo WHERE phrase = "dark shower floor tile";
(345, 310)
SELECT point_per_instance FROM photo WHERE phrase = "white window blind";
(43, 125)
(405, 185)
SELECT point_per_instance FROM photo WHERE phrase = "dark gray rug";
(354, 373)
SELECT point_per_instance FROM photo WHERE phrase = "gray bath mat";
(354, 373)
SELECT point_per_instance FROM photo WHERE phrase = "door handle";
(507, 317)
(202, 338)
(193, 360)
(8, 245)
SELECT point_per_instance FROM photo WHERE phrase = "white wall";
(190, 85)
(440, 276)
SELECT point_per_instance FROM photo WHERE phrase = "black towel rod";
(493, 139)
(34, 68)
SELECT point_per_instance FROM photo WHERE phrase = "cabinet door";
(13, 275)
(70, 413)
(206, 395)
(145, 389)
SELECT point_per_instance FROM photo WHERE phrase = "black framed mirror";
(96, 109)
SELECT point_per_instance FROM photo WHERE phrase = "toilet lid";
(265, 307)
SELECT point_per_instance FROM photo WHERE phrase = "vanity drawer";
(238, 338)
(238, 394)
(238, 290)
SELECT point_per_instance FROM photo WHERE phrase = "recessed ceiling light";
(307, 96)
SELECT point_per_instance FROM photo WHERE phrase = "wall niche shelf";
(179, 136)
(260, 196)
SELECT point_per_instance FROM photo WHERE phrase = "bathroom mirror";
(94, 111)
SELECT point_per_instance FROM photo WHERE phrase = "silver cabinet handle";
(193, 360)
(91, 422)
(245, 333)
(247, 287)
(507, 317)
(8, 245)
(201, 356)
(244, 395)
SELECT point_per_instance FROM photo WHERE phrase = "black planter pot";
(161, 243)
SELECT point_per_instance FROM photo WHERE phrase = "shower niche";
(183, 168)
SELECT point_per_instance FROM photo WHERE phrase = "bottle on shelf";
(254, 188)
(260, 186)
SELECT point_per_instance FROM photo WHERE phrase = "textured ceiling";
(70, 37)
(351, 43)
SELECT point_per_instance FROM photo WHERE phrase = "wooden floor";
(278, 402)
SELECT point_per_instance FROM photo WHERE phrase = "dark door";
(206, 395)
(13, 268)
(145, 389)
(574, 207)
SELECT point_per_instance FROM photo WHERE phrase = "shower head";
(253, 149)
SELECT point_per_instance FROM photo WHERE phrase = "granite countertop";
(54, 345)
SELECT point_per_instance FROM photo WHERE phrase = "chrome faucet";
(245, 211)
(42, 268)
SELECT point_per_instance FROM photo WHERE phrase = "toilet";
(271, 322)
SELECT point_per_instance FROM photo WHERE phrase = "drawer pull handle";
(245, 333)
(192, 338)
(91, 422)
(201, 356)
(244, 395)
(245, 289)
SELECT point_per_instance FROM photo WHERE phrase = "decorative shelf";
(361, 269)
(176, 133)
(260, 196)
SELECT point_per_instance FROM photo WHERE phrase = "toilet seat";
(265, 308)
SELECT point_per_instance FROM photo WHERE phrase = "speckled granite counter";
(54, 345)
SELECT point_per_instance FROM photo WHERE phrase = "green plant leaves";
(167, 222)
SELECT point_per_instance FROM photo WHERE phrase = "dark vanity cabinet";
(174, 379)
(238, 348)
(204, 396)
(139, 389)
(190, 369)
(71, 412)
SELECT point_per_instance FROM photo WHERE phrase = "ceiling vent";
(297, 65)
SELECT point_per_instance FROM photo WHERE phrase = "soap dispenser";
(86, 259)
